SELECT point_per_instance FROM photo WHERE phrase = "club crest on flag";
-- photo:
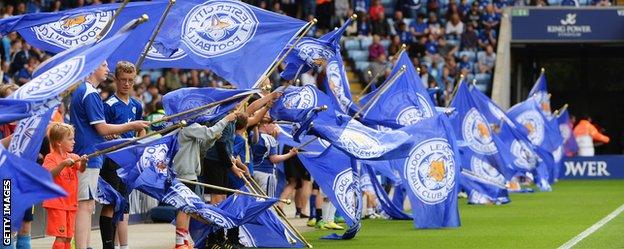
(218, 27)
(155, 156)
(558, 153)
(566, 131)
(24, 132)
(73, 31)
(345, 189)
(303, 99)
(485, 170)
(500, 114)
(195, 100)
(430, 170)
(477, 134)
(412, 115)
(360, 143)
(525, 157)
(57, 77)
(535, 125)
(335, 79)
(313, 50)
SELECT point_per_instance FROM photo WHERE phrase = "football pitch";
(535, 220)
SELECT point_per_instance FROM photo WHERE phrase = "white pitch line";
(592, 229)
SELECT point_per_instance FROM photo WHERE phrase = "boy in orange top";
(64, 166)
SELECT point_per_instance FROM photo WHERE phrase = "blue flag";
(392, 210)
(188, 98)
(336, 85)
(430, 174)
(539, 91)
(29, 184)
(403, 103)
(29, 134)
(258, 225)
(481, 157)
(58, 31)
(107, 195)
(565, 127)
(144, 166)
(308, 50)
(333, 171)
(286, 137)
(297, 103)
(42, 93)
(237, 41)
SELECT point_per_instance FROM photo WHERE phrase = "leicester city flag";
(29, 184)
(296, 104)
(430, 174)
(565, 127)
(308, 51)
(335, 175)
(539, 91)
(336, 85)
(394, 211)
(106, 194)
(237, 41)
(524, 159)
(480, 158)
(188, 98)
(29, 134)
(403, 103)
(61, 72)
(58, 31)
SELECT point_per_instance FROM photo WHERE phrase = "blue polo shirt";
(266, 146)
(118, 112)
(85, 111)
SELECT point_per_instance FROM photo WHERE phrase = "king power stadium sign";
(567, 25)
(596, 167)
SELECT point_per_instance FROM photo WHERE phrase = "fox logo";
(74, 21)
(437, 171)
(483, 130)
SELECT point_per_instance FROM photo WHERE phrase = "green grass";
(538, 220)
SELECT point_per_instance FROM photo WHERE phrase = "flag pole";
(382, 90)
(370, 83)
(306, 143)
(110, 22)
(129, 142)
(256, 187)
(452, 96)
(562, 109)
(154, 34)
(229, 190)
(283, 57)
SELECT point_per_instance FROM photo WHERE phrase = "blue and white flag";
(237, 41)
(403, 103)
(145, 165)
(511, 134)
(42, 93)
(431, 172)
(539, 91)
(188, 98)
(28, 136)
(308, 50)
(395, 212)
(28, 183)
(334, 173)
(297, 102)
(480, 158)
(107, 195)
(285, 137)
(58, 31)
(565, 127)
(336, 85)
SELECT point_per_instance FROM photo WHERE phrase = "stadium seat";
(386, 43)
(471, 55)
(352, 44)
(361, 65)
(358, 55)
(408, 21)
(554, 2)
(365, 42)
(480, 55)
(483, 81)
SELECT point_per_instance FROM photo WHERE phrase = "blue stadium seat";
(358, 55)
(554, 2)
(351, 44)
(480, 55)
(407, 21)
(361, 65)
(365, 42)
(386, 43)
(483, 81)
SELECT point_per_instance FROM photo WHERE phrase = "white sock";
(117, 247)
(124, 247)
(370, 211)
